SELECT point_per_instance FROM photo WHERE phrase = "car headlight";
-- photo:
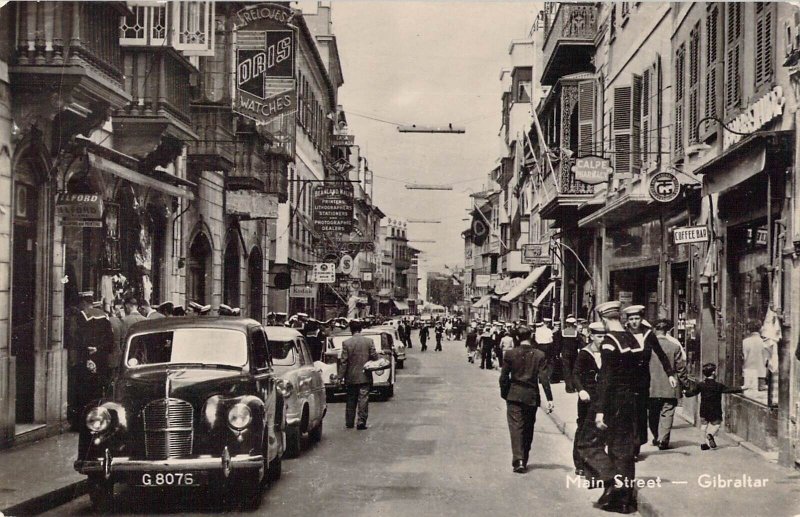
(239, 416)
(98, 419)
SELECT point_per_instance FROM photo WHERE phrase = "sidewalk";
(38, 476)
(691, 480)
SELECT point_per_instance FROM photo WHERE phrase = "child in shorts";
(711, 404)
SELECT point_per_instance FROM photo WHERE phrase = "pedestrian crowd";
(628, 378)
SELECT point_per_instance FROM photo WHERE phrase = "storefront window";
(755, 358)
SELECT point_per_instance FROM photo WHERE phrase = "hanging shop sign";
(756, 116)
(323, 273)
(302, 291)
(82, 223)
(664, 187)
(333, 207)
(346, 264)
(366, 276)
(248, 204)
(343, 140)
(265, 62)
(504, 285)
(482, 280)
(341, 166)
(79, 206)
(535, 254)
(592, 169)
(689, 234)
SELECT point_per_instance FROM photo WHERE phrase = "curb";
(645, 507)
(49, 500)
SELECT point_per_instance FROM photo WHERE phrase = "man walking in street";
(487, 344)
(587, 368)
(663, 396)
(438, 331)
(356, 352)
(132, 314)
(424, 335)
(506, 345)
(519, 386)
(625, 364)
(471, 344)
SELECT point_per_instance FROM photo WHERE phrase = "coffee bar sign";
(689, 234)
(756, 116)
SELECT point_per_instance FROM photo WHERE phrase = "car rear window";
(225, 347)
(283, 352)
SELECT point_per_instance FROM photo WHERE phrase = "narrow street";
(439, 447)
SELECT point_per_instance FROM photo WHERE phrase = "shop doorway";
(255, 272)
(232, 277)
(23, 310)
(199, 270)
(637, 286)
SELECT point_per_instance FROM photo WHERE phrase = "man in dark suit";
(356, 352)
(523, 369)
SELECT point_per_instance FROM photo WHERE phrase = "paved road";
(439, 447)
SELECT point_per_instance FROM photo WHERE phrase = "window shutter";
(733, 56)
(636, 124)
(655, 113)
(680, 61)
(622, 129)
(146, 25)
(694, 83)
(193, 27)
(713, 85)
(764, 46)
(586, 103)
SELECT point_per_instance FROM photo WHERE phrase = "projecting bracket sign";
(265, 62)
(689, 234)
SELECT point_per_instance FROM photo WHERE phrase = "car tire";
(248, 490)
(329, 395)
(293, 445)
(316, 434)
(400, 364)
(275, 470)
(388, 392)
(101, 494)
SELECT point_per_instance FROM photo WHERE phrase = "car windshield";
(283, 353)
(335, 342)
(207, 346)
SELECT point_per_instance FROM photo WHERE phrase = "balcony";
(562, 198)
(400, 293)
(569, 43)
(67, 50)
(156, 124)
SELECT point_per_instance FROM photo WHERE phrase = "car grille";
(168, 429)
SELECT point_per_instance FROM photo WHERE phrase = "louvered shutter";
(694, 83)
(646, 126)
(677, 136)
(733, 56)
(655, 113)
(586, 104)
(712, 101)
(636, 124)
(764, 44)
(622, 129)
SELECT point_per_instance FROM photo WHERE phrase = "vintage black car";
(195, 401)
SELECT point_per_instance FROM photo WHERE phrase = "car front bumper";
(223, 464)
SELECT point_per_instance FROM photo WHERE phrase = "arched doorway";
(199, 270)
(23, 310)
(255, 274)
(232, 277)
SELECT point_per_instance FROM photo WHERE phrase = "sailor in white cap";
(567, 342)
(543, 340)
(624, 364)
(587, 368)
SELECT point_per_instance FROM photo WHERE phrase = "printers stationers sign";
(266, 44)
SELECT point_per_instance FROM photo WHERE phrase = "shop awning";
(624, 208)
(547, 290)
(523, 286)
(483, 302)
(401, 306)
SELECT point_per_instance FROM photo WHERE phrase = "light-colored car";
(382, 381)
(302, 383)
(397, 346)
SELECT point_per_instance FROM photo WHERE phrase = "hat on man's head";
(582, 320)
(547, 320)
(178, 310)
(597, 328)
(570, 320)
(97, 304)
(165, 307)
(86, 294)
(539, 323)
(634, 310)
(608, 309)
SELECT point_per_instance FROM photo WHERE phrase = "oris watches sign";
(265, 59)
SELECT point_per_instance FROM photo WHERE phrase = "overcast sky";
(428, 63)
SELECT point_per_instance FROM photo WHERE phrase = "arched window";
(232, 278)
(198, 279)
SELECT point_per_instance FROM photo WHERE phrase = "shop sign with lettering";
(535, 254)
(343, 140)
(592, 169)
(689, 234)
(265, 59)
(323, 273)
(482, 280)
(79, 206)
(251, 205)
(664, 187)
(756, 116)
(302, 291)
(333, 207)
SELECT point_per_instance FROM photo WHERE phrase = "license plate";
(173, 479)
